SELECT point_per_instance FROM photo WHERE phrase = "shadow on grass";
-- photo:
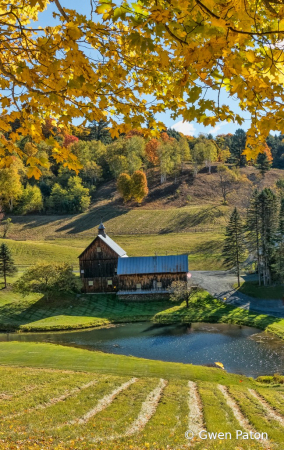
(187, 219)
(251, 287)
(206, 308)
(72, 312)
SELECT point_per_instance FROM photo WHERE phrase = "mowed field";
(118, 402)
(204, 249)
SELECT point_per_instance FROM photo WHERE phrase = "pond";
(242, 350)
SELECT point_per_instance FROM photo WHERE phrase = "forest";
(125, 158)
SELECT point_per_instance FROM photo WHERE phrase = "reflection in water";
(241, 349)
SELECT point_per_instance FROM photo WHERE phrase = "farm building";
(150, 274)
(98, 264)
(105, 267)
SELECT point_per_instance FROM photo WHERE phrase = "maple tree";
(173, 52)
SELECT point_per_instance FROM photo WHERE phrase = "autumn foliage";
(151, 150)
(134, 186)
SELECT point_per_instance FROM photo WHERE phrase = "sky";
(188, 128)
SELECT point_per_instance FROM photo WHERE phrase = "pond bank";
(35, 314)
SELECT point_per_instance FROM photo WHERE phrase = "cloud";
(184, 127)
(215, 129)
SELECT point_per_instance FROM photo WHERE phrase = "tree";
(197, 157)
(140, 49)
(10, 187)
(126, 155)
(99, 131)
(69, 140)
(47, 279)
(234, 248)
(227, 181)
(139, 186)
(124, 186)
(151, 150)
(279, 264)
(238, 146)
(78, 196)
(179, 292)
(262, 163)
(268, 214)
(31, 200)
(253, 230)
(7, 225)
(209, 154)
(7, 265)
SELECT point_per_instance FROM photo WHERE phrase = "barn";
(148, 275)
(98, 264)
(105, 267)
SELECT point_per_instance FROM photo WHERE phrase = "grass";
(35, 313)
(55, 379)
(203, 248)
(205, 308)
(121, 220)
(252, 289)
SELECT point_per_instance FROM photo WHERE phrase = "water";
(242, 350)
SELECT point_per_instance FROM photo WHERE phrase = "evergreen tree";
(268, 214)
(234, 249)
(7, 265)
(237, 146)
(99, 132)
(279, 265)
(262, 163)
(253, 227)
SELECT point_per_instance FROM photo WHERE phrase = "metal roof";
(113, 245)
(152, 264)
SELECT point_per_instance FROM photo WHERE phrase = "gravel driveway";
(220, 285)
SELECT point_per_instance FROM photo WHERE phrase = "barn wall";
(99, 267)
(129, 282)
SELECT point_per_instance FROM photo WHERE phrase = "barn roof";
(113, 245)
(152, 264)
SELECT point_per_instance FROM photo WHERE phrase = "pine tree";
(99, 132)
(7, 265)
(234, 248)
(268, 214)
(252, 228)
(237, 146)
(279, 265)
(262, 163)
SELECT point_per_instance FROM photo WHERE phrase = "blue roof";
(152, 264)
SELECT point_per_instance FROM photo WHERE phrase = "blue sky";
(191, 128)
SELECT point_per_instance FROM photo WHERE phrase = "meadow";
(77, 399)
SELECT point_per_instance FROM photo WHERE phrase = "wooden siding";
(99, 268)
(149, 281)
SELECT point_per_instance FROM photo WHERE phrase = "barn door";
(155, 285)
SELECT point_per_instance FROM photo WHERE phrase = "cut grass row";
(129, 416)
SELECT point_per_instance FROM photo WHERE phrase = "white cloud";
(215, 129)
(186, 128)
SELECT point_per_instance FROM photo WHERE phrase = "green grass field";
(121, 220)
(35, 313)
(204, 249)
(254, 290)
(76, 399)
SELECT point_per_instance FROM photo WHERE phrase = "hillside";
(190, 204)
(85, 400)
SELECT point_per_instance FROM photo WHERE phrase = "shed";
(151, 274)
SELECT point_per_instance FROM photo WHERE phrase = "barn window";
(109, 282)
(99, 249)
(159, 284)
(138, 286)
(82, 271)
(115, 269)
(91, 283)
